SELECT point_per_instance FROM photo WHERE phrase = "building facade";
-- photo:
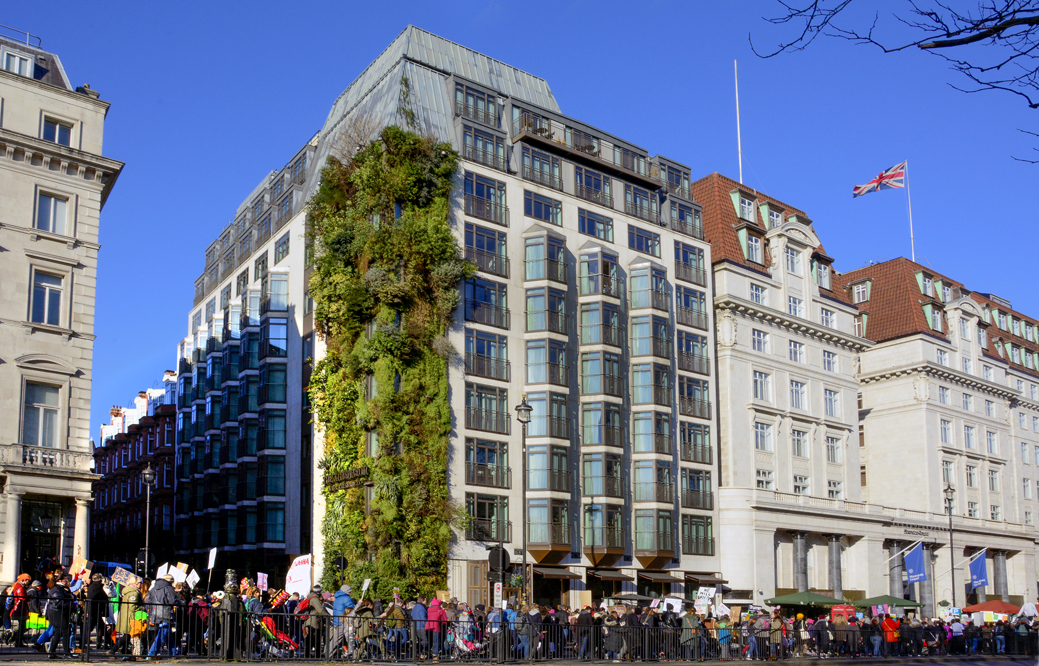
(136, 439)
(54, 182)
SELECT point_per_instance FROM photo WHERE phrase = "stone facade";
(53, 182)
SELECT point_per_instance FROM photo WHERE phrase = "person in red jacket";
(20, 608)
(890, 625)
(436, 621)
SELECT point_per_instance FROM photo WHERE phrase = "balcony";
(607, 285)
(654, 549)
(661, 394)
(542, 178)
(491, 367)
(697, 499)
(45, 458)
(642, 212)
(546, 320)
(603, 486)
(484, 157)
(548, 373)
(659, 347)
(594, 195)
(692, 545)
(661, 443)
(687, 228)
(487, 420)
(694, 407)
(488, 262)
(593, 151)
(486, 209)
(553, 534)
(475, 113)
(603, 435)
(491, 476)
(541, 269)
(655, 491)
(601, 334)
(691, 273)
(485, 313)
(692, 318)
(695, 453)
(549, 426)
(603, 537)
(553, 480)
(489, 530)
(602, 384)
(697, 363)
(679, 190)
(650, 298)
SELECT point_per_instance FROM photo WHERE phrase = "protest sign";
(212, 558)
(192, 579)
(162, 570)
(261, 581)
(299, 576)
(123, 577)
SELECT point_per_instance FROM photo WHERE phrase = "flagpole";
(909, 200)
(739, 143)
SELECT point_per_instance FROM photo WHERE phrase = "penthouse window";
(475, 104)
(18, 64)
(483, 147)
(593, 186)
(541, 168)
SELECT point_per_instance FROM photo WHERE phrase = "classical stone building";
(53, 183)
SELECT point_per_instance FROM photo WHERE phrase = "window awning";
(607, 574)
(705, 579)
(659, 576)
(555, 572)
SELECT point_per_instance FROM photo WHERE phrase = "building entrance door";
(41, 537)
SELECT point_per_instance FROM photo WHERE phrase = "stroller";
(274, 642)
(460, 640)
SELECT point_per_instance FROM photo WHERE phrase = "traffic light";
(142, 563)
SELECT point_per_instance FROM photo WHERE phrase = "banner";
(979, 572)
(915, 565)
(298, 578)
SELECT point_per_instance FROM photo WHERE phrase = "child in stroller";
(274, 643)
(461, 637)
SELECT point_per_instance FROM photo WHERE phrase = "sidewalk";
(1001, 660)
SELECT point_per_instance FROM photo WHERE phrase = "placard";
(123, 577)
(585, 598)
(367, 582)
(162, 571)
(192, 579)
(178, 575)
(212, 558)
(655, 603)
(705, 593)
(298, 580)
(261, 581)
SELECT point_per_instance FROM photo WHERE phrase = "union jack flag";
(893, 177)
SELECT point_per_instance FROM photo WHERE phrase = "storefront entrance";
(41, 535)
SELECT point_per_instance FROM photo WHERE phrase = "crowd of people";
(161, 618)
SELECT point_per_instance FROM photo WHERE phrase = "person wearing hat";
(97, 610)
(59, 615)
(342, 602)
(160, 602)
(314, 625)
(20, 607)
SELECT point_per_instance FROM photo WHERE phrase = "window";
(1026, 488)
(762, 437)
(51, 213)
(764, 479)
(942, 357)
(799, 443)
(46, 299)
(281, 248)
(972, 476)
(995, 513)
(928, 288)
(964, 329)
(947, 475)
(1035, 424)
(758, 294)
(57, 131)
(833, 450)
(260, 266)
(644, 241)
(858, 325)
(859, 293)
(987, 372)
(594, 224)
(946, 294)
(795, 306)
(991, 442)
(762, 386)
(40, 415)
(993, 480)
(1034, 391)
(800, 485)
(835, 490)
(793, 261)
(747, 210)
(754, 249)
(543, 208)
(796, 352)
(990, 408)
(968, 437)
(759, 341)
(946, 431)
(1028, 517)
(1021, 420)
(18, 64)
(828, 318)
(775, 219)
(798, 399)
(830, 361)
(823, 271)
(972, 509)
(967, 367)
(833, 403)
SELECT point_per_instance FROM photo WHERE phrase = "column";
(925, 589)
(81, 536)
(13, 535)
(896, 585)
(834, 546)
(999, 575)
(800, 560)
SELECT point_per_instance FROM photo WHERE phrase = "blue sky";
(208, 97)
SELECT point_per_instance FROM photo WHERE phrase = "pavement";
(1007, 660)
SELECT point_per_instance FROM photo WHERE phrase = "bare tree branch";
(1021, 159)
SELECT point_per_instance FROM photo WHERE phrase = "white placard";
(705, 593)
(367, 582)
(298, 578)
(162, 571)
(261, 581)
(192, 579)
(178, 575)
(673, 604)
(212, 558)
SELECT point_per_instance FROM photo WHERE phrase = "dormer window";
(1002, 321)
(946, 294)
(754, 249)
(775, 219)
(928, 287)
(823, 271)
(18, 64)
(859, 293)
(747, 209)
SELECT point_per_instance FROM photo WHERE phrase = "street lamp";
(523, 411)
(149, 478)
(950, 493)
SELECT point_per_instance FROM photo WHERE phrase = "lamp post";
(523, 411)
(149, 478)
(950, 493)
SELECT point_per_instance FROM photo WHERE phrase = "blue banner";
(915, 565)
(979, 572)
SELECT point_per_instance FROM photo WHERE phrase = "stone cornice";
(932, 369)
(55, 90)
(744, 307)
(89, 166)
(36, 234)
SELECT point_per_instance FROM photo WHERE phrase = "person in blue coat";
(341, 603)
